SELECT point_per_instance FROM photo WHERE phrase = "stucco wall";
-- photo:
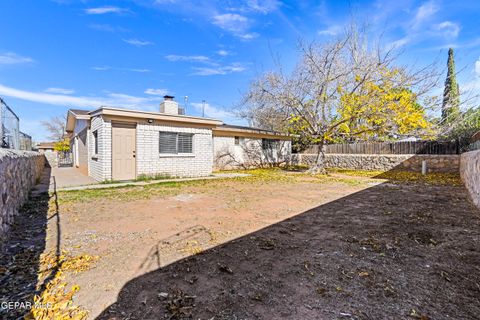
(19, 171)
(435, 163)
(151, 162)
(248, 153)
(470, 173)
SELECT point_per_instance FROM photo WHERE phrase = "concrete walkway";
(69, 177)
(143, 183)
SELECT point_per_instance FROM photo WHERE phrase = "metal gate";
(65, 159)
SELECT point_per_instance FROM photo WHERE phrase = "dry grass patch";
(407, 177)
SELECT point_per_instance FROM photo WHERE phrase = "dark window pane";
(95, 138)
(270, 144)
(185, 143)
(168, 142)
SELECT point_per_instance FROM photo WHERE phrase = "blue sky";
(62, 54)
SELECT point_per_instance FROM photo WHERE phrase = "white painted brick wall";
(101, 167)
(150, 161)
(227, 155)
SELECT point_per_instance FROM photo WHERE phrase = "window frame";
(177, 143)
(95, 142)
(270, 144)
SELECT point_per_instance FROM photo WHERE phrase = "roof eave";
(252, 132)
(154, 115)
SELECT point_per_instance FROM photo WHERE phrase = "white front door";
(123, 151)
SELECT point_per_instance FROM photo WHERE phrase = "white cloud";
(236, 24)
(424, 12)
(60, 90)
(107, 28)
(330, 31)
(106, 68)
(110, 99)
(449, 29)
(9, 58)
(399, 43)
(231, 22)
(223, 53)
(466, 44)
(137, 42)
(263, 6)
(255, 6)
(212, 111)
(248, 36)
(474, 83)
(174, 58)
(105, 9)
(220, 70)
(477, 67)
(156, 92)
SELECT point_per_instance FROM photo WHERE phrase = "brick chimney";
(168, 105)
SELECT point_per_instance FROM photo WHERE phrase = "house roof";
(79, 112)
(218, 127)
(46, 145)
(74, 114)
(116, 112)
(234, 130)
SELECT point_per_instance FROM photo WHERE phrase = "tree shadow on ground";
(392, 251)
(20, 260)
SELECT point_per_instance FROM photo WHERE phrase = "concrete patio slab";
(69, 177)
(143, 183)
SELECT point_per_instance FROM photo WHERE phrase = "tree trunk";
(319, 166)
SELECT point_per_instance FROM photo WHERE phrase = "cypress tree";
(451, 93)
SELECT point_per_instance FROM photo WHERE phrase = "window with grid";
(185, 143)
(269, 144)
(173, 143)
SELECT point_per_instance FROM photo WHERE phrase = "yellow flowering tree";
(341, 91)
(62, 145)
(379, 110)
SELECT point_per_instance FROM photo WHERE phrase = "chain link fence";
(9, 128)
(25, 141)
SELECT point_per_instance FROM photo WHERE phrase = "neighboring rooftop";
(45, 145)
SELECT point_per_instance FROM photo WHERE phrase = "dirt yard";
(275, 245)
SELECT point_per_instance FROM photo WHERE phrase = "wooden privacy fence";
(401, 147)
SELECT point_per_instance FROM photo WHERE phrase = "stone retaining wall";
(51, 158)
(470, 173)
(384, 162)
(19, 172)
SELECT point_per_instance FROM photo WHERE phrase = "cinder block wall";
(408, 162)
(151, 162)
(470, 173)
(19, 172)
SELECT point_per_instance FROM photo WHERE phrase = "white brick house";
(126, 144)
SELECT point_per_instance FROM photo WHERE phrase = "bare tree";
(55, 127)
(337, 89)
